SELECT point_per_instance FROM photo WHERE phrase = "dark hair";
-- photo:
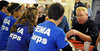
(28, 16)
(98, 11)
(35, 5)
(46, 5)
(55, 11)
(14, 7)
(3, 3)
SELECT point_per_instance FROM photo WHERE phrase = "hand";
(72, 32)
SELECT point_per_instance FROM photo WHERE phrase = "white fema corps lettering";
(4, 28)
(6, 21)
(39, 39)
(44, 31)
(20, 30)
(14, 36)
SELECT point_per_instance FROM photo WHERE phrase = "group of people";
(33, 31)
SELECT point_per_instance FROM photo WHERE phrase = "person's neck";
(56, 22)
(2, 11)
(14, 16)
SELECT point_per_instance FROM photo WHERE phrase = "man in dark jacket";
(41, 14)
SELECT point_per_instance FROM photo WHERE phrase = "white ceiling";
(22, 1)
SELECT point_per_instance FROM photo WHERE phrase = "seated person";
(22, 30)
(41, 14)
(47, 36)
(3, 10)
(15, 10)
(85, 29)
(64, 24)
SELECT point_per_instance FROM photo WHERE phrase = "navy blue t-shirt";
(2, 16)
(19, 41)
(47, 37)
(5, 31)
(64, 25)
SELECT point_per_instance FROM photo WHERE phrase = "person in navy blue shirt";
(64, 25)
(8, 22)
(47, 36)
(22, 30)
(3, 10)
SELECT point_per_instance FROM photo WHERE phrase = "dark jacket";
(41, 19)
(79, 4)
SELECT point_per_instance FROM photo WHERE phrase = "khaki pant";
(3, 50)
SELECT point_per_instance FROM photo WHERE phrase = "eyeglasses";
(79, 15)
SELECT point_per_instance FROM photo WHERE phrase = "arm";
(84, 37)
(61, 41)
(67, 48)
(81, 35)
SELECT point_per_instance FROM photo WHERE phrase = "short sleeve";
(66, 29)
(64, 25)
(61, 40)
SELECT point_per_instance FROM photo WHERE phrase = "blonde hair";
(82, 9)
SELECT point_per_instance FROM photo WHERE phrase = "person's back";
(2, 16)
(46, 37)
(3, 10)
(5, 29)
(22, 30)
(19, 41)
(7, 24)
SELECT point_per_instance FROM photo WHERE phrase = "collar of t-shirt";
(51, 23)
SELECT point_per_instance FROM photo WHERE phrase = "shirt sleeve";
(66, 29)
(61, 40)
(94, 33)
